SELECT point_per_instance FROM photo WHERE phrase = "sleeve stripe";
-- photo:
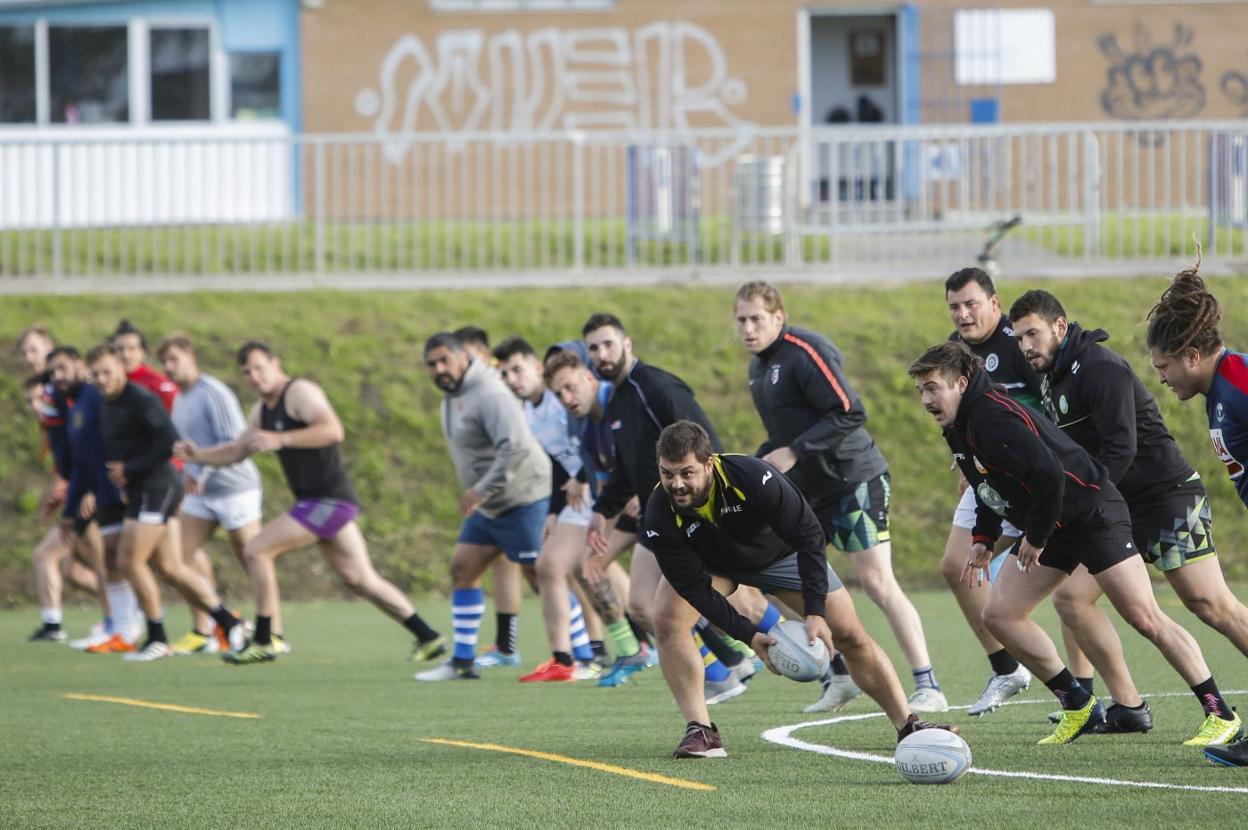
(1233, 369)
(823, 367)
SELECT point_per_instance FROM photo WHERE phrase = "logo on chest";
(689, 530)
(617, 425)
(1219, 411)
(730, 508)
(1063, 405)
(775, 374)
(992, 362)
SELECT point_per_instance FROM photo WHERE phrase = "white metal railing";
(839, 199)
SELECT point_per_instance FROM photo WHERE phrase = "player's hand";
(782, 459)
(469, 501)
(759, 642)
(1028, 555)
(632, 509)
(548, 527)
(184, 450)
(975, 570)
(577, 493)
(594, 567)
(116, 473)
(86, 507)
(190, 485)
(595, 534)
(60, 490)
(263, 440)
(817, 629)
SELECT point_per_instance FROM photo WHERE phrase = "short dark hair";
(68, 351)
(683, 437)
(1037, 301)
(472, 335)
(126, 327)
(558, 360)
(602, 319)
(960, 279)
(951, 358)
(512, 346)
(447, 339)
(102, 350)
(245, 350)
(37, 379)
(177, 340)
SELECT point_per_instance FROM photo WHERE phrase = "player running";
(720, 521)
(295, 419)
(816, 435)
(1027, 470)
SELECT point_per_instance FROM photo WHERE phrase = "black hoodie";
(1021, 466)
(1099, 401)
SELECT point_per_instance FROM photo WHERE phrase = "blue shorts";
(517, 532)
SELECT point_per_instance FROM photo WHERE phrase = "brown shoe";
(701, 741)
(913, 724)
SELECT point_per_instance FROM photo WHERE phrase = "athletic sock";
(223, 618)
(641, 635)
(1067, 690)
(714, 670)
(505, 634)
(156, 631)
(718, 644)
(1088, 683)
(1211, 700)
(599, 648)
(467, 607)
(263, 635)
(420, 628)
(577, 633)
(771, 617)
(120, 605)
(562, 658)
(837, 666)
(622, 636)
(51, 617)
(1002, 662)
(925, 678)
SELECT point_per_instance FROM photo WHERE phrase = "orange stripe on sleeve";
(823, 367)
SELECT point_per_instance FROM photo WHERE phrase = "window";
(1005, 46)
(87, 74)
(255, 85)
(17, 74)
(179, 68)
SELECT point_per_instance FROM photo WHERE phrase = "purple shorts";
(324, 517)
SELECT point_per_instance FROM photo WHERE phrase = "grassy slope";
(338, 744)
(365, 348)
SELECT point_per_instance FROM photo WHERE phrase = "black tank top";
(311, 473)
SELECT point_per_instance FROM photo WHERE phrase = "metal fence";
(835, 200)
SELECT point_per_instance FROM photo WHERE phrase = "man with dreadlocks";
(1185, 345)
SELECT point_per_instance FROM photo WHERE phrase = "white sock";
(50, 616)
(123, 604)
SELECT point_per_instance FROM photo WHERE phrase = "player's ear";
(961, 383)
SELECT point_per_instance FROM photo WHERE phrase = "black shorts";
(109, 518)
(1098, 541)
(154, 499)
(1175, 526)
(626, 524)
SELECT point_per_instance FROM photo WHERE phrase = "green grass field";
(338, 742)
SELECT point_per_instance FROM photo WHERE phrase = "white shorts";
(570, 516)
(231, 511)
(964, 515)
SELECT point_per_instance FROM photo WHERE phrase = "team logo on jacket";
(1063, 405)
(1219, 411)
(983, 471)
(992, 362)
(775, 374)
(692, 528)
(617, 425)
(991, 498)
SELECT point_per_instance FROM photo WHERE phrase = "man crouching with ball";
(722, 520)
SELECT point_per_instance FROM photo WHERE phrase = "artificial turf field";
(338, 741)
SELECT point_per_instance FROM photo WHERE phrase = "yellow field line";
(577, 762)
(167, 707)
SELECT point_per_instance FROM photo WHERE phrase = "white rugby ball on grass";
(933, 756)
(794, 656)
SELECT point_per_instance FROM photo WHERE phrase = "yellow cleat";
(192, 642)
(1216, 731)
(1074, 722)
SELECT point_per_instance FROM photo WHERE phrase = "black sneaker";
(48, 633)
(1121, 719)
(1229, 755)
(913, 724)
(701, 741)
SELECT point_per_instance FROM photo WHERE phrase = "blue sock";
(925, 678)
(769, 620)
(108, 625)
(467, 607)
(581, 649)
(715, 671)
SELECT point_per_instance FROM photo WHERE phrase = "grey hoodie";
(493, 449)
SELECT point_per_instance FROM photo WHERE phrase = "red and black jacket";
(1021, 466)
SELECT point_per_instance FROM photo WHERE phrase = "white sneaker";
(838, 690)
(928, 700)
(154, 650)
(237, 637)
(747, 668)
(448, 671)
(718, 691)
(1000, 688)
(94, 637)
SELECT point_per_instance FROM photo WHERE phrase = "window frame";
(35, 75)
(228, 91)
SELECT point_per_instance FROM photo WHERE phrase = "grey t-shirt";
(209, 414)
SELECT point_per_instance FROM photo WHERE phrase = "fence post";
(320, 208)
(578, 200)
(56, 210)
(1091, 196)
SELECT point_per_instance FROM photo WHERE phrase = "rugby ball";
(794, 656)
(932, 756)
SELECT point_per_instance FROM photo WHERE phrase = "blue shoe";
(650, 653)
(622, 669)
(494, 658)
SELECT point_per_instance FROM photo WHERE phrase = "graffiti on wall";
(1148, 81)
(665, 76)
(1234, 85)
